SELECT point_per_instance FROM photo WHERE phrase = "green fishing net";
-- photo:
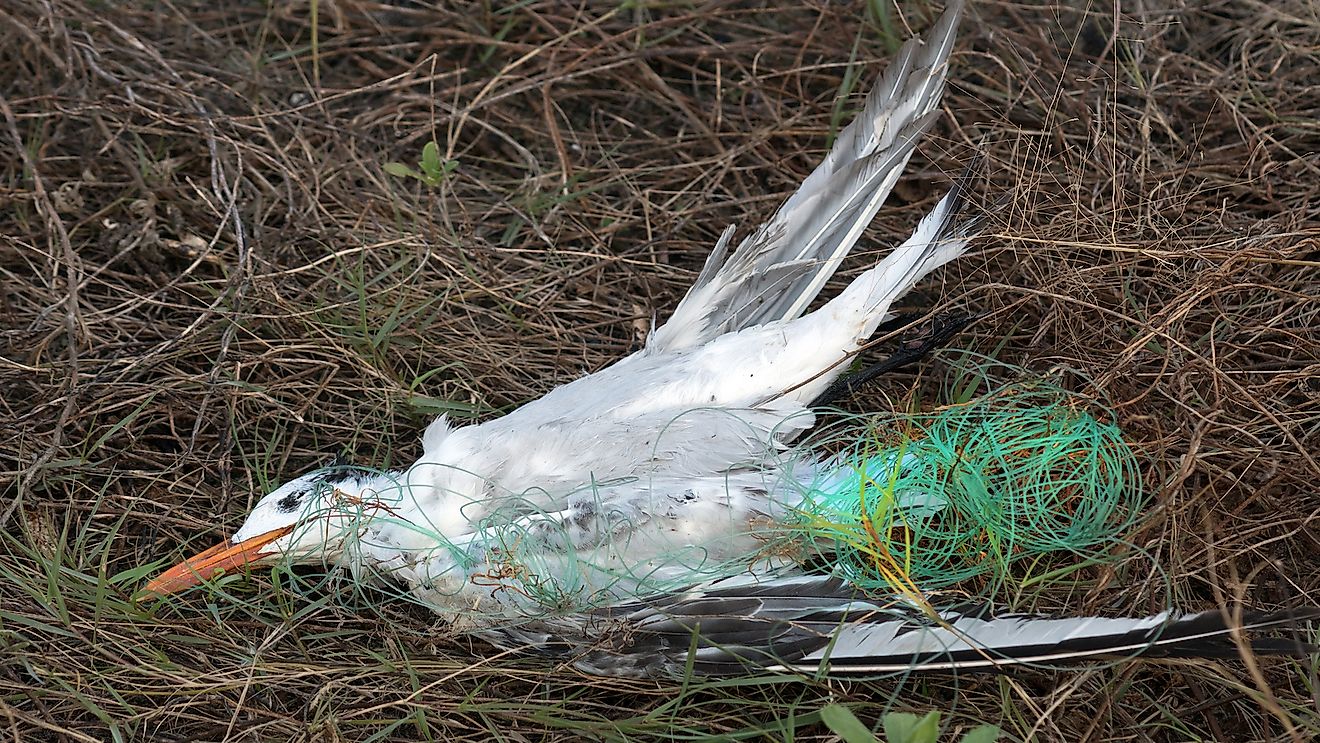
(969, 489)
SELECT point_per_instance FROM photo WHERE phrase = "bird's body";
(624, 511)
(677, 445)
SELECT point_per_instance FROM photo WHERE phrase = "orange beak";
(207, 565)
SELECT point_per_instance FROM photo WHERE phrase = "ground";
(211, 279)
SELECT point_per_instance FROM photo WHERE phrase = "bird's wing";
(561, 454)
(781, 362)
(778, 269)
(810, 624)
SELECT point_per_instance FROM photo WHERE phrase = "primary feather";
(818, 624)
(781, 267)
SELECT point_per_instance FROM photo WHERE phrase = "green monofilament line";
(965, 491)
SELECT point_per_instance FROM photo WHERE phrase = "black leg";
(911, 350)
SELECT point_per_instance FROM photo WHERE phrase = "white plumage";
(666, 468)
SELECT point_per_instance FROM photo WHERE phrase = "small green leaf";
(898, 726)
(843, 723)
(402, 171)
(431, 159)
(982, 734)
(928, 730)
(903, 727)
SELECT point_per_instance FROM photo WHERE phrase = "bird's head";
(305, 520)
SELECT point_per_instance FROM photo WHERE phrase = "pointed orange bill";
(207, 565)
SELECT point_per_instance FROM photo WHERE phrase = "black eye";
(289, 503)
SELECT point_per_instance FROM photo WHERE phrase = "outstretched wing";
(777, 270)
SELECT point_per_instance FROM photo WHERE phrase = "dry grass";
(209, 283)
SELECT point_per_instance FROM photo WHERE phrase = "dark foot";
(912, 348)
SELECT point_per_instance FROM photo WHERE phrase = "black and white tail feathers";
(819, 624)
(780, 268)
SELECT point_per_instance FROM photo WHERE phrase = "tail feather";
(781, 267)
(812, 624)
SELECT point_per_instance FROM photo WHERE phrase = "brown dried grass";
(209, 283)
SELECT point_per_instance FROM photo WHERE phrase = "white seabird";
(618, 521)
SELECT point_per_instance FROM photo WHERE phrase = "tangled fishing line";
(931, 498)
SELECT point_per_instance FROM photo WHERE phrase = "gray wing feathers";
(961, 643)
(778, 269)
(811, 623)
(940, 237)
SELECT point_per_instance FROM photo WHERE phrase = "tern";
(619, 521)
